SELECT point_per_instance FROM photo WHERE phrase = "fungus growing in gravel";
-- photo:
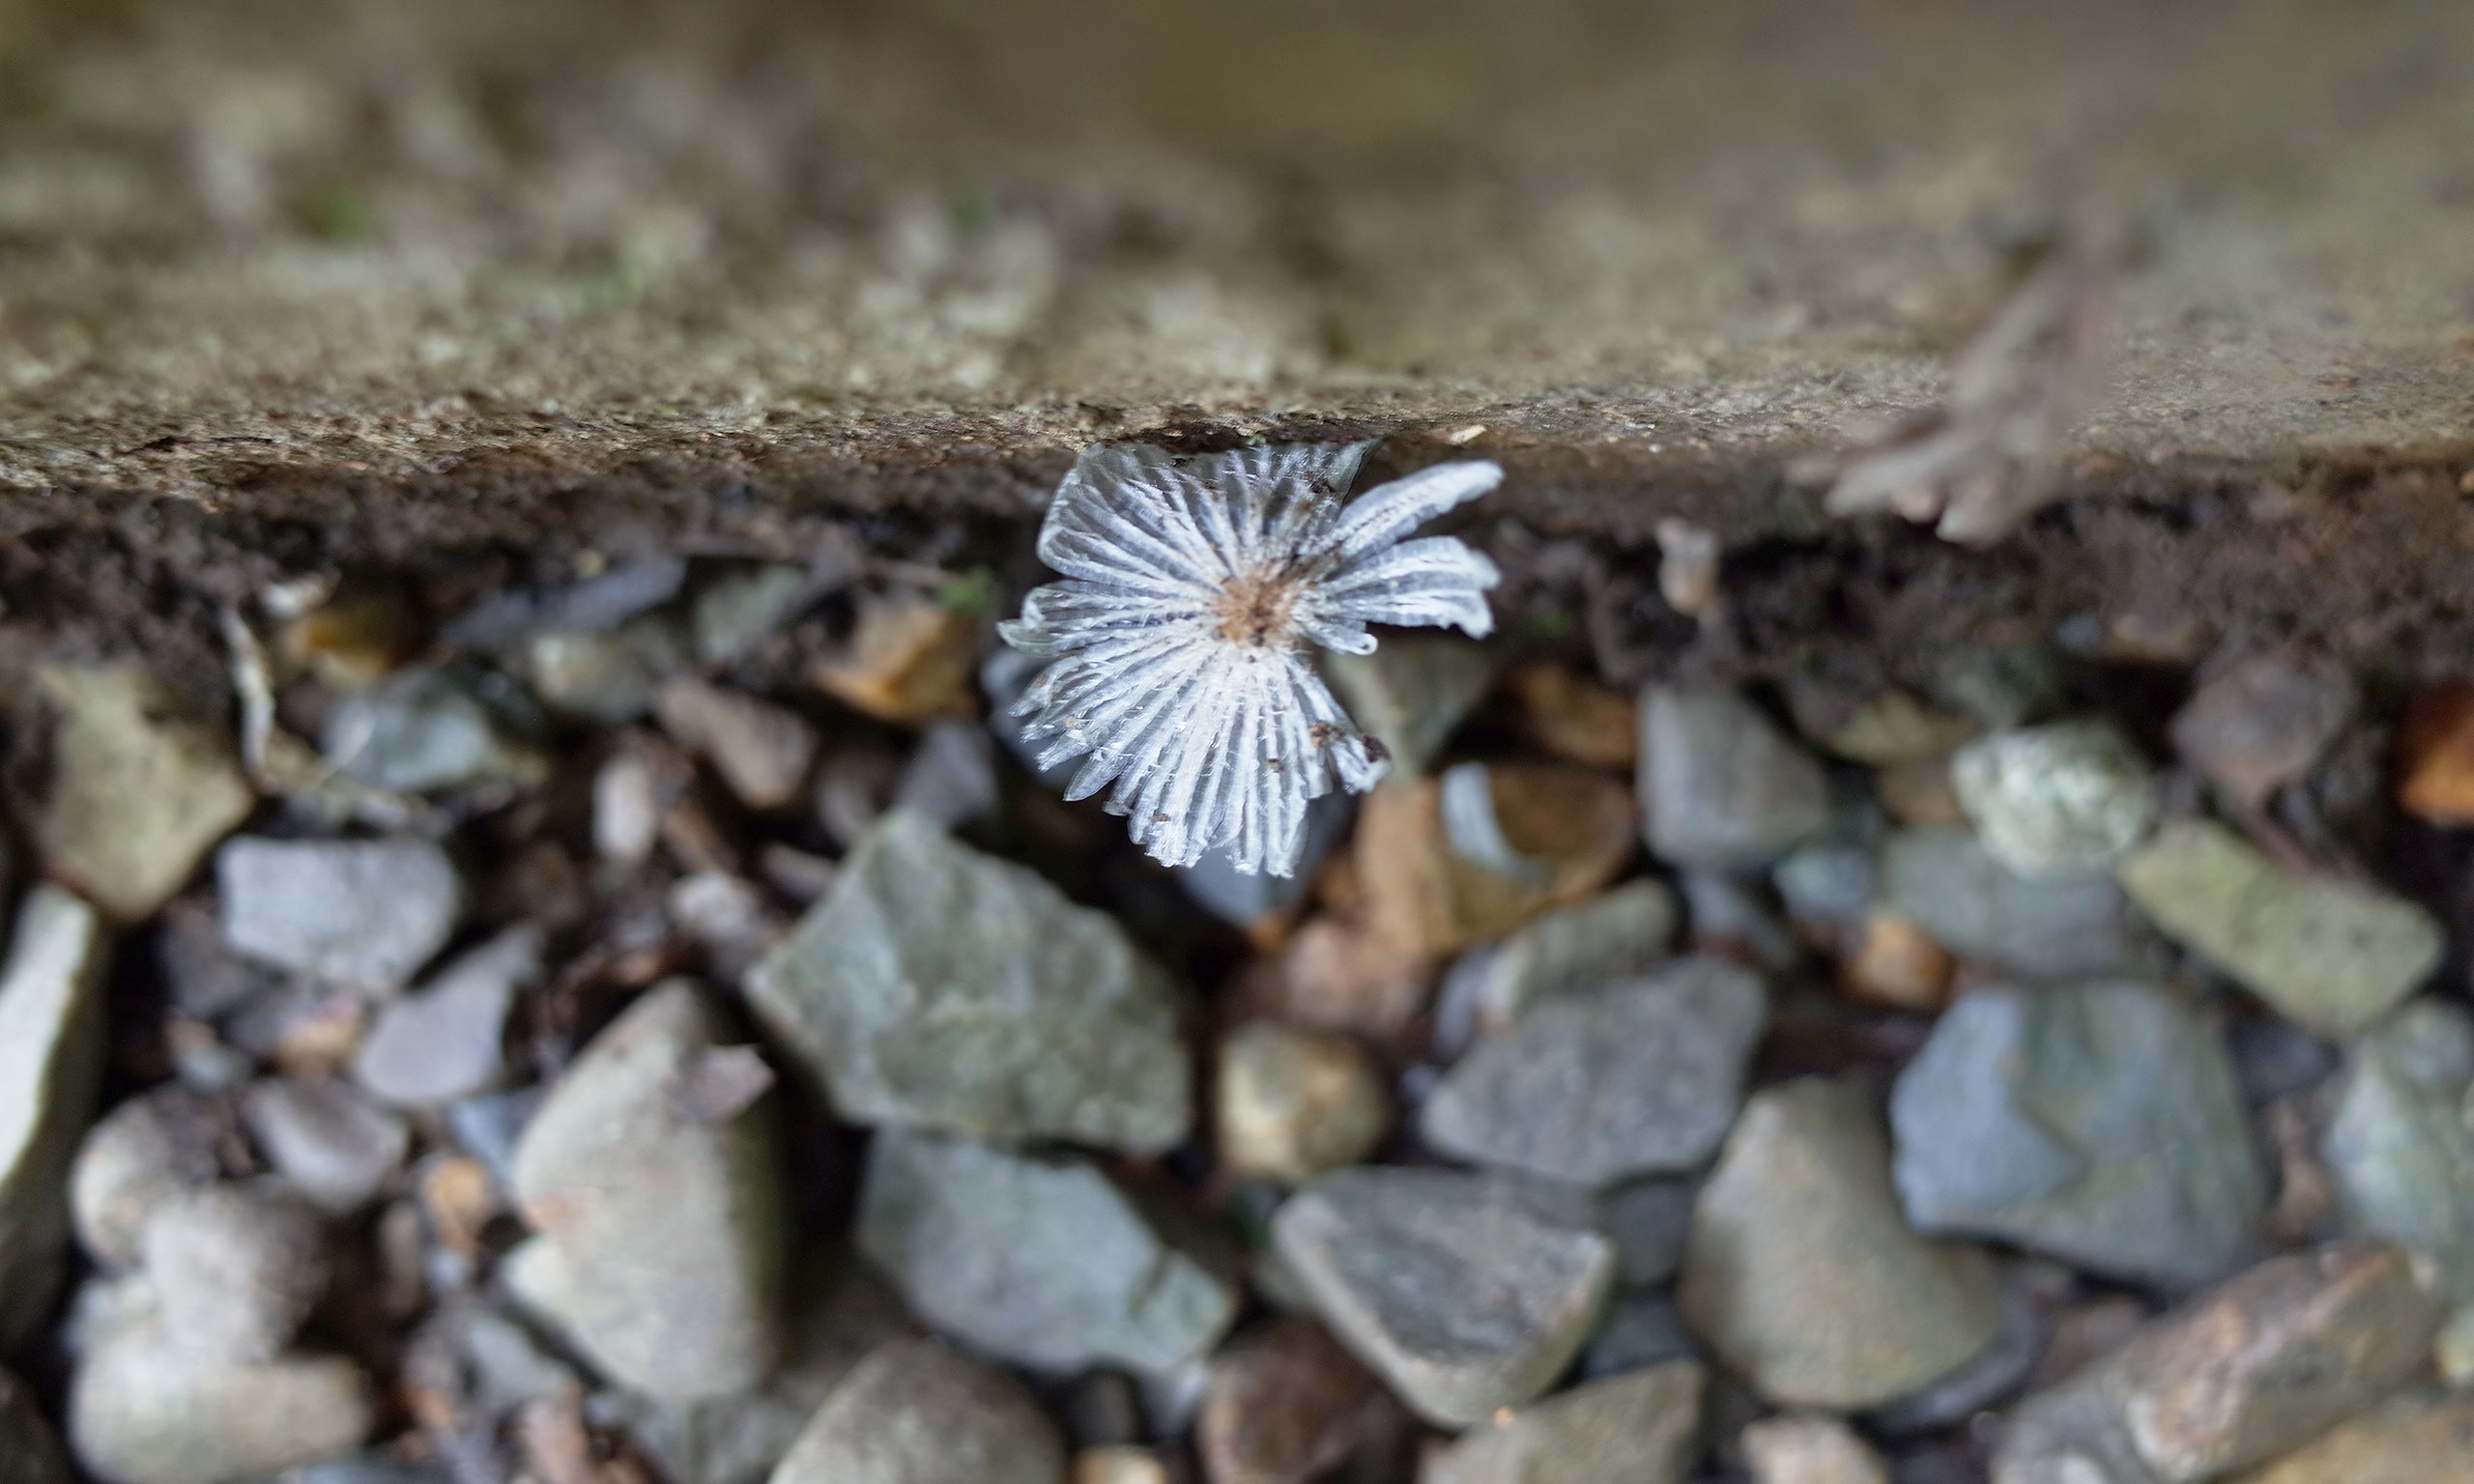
(1191, 584)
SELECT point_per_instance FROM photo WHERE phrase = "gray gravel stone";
(1637, 1078)
(235, 1268)
(29, 1453)
(1455, 1288)
(662, 1200)
(1044, 1262)
(939, 988)
(1721, 788)
(2401, 1142)
(1648, 1221)
(422, 730)
(143, 1410)
(734, 612)
(133, 790)
(364, 913)
(51, 1053)
(1411, 691)
(158, 1142)
(841, 1313)
(1803, 1274)
(951, 777)
(1618, 934)
(2246, 1372)
(2331, 955)
(1642, 1427)
(2263, 721)
(2064, 926)
(328, 1141)
(445, 1040)
(2068, 798)
(606, 676)
(918, 1412)
(1640, 1330)
(760, 750)
(2099, 1123)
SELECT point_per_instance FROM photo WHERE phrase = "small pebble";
(1947, 884)
(1801, 1272)
(2329, 953)
(1291, 1102)
(910, 662)
(421, 730)
(1475, 854)
(1810, 1449)
(1641, 1426)
(363, 913)
(443, 1041)
(919, 1411)
(1721, 788)
(1045, 1262)
(760, 750)
(2400, 1143)
(2099, 1123)
(236, 1269)
(1411, 691)
(1284, 1404)
(1618, 934)
(2065, 799)
(607, 676)
(2261, 722)
(134, 790)
(51, 1061)
(143, 1410)
(156, 1144)
(1458, 1291)
(1640, 1077)
(328, 1141)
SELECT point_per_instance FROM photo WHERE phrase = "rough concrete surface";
(313, 282)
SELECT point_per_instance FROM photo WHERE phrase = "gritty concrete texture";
(287, 285)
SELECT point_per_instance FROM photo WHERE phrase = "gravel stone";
(1411, 691)
(2262, 722)
(2065, 799)
(1046, 1263)
(1721, 788)
(2238, 1375)
(2099, 1123)
(367, 914)
(133, 791)
(1637, 1078)
(445, 1040)
(143, 1410)
(1291, 1102)
(2401, 1143)
(236, 1270)
(159, 1143)
(736, 612)
(664, 1209)
(1455, 1288)
(1283, 1405)
(1641, 1329)
(419, 731)
(939, 988)
(1803, 1274)
(1616, 935)
(2064, 926)
(2328, 954)
(918, 1412)
(842, 1313)
(51, 1054)
(1810, 1450)
(1647, 1221)
(606, 676)
(2418, 1438)
(1641, 1427)
(760, 750)
(327, 1140)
